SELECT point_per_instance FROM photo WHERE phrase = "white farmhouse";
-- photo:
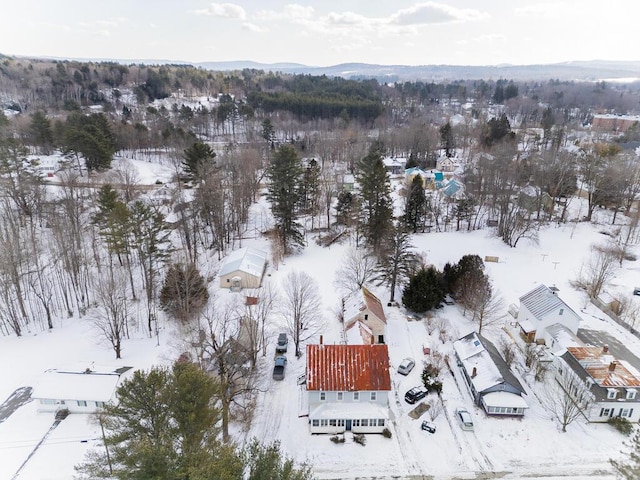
(77, 391)
(540, 309)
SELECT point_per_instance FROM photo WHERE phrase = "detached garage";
(243, 268)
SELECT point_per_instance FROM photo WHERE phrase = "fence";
(603, 306)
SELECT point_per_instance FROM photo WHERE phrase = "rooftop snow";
(99, 387)
(247, 260)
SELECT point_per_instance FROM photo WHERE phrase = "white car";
(406, 366)
(465, 419)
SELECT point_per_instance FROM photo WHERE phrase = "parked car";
(281, 346)
(278, 367)
(415, 394)
(428, 427)
(406, 366)
(465, 419)
(448, 300)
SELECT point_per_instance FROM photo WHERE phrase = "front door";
(348, 425)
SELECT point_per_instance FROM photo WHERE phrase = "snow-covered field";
(513, 448)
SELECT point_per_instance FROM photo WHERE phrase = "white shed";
(243, 268)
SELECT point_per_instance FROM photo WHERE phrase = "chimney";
(605, 349)
(320, 339)
(474, 372)
(612, 366)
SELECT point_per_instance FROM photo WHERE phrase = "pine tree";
(376, 205)
(397, 260)
(629, 468)
(446, 139)
(199, 158)
(184, 292)
(424, 291)
(415, 207)
(285, 176)
(41, 132)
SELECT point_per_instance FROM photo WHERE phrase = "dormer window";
(612, 393)
(561, 311)
(631, 394)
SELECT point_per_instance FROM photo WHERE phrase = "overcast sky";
(325, 32)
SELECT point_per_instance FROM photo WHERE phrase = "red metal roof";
(348, 368)
(605, 370)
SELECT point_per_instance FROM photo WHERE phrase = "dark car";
(428, 427)
(415, 394)
(281, 346)
(278, 367)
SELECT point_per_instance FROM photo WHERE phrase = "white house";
(243, 268)
(348, 388)
(493, 386)
(77, 391)
(395, 165)
(363, 313)
(613, 383)
(540, 309)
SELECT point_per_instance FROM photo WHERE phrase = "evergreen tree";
(285, 175)
(267, 462)
(199, 158)
(41, 132)
(375, 198)
(629, 468)
(447, 140)
(310, 192)
(268, 132)
(184, 292)
(496, 130)
(91, 137)
(424, 291)
(345, 208)
(415, 207)
(397, 260)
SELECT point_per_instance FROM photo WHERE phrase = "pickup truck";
(278, 368)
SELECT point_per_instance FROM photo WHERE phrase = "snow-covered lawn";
(519, 448)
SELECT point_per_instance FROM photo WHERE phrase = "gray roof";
(248, 260)
(541, 300)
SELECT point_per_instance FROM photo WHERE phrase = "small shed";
(243, 268)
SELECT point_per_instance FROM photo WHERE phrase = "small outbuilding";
(363, 313)
(243, 268)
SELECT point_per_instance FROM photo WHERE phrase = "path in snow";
(18, 398)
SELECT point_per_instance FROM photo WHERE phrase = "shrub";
(337, 438)
(359, 438)
(621, 424)
(386, 433)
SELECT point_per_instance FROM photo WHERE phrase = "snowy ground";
(514, 448)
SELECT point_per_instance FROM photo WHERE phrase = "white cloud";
(292, 12)
(432, 12)
(252, 27)
(223, 10)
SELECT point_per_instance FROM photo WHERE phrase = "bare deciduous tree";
(436, 407)
(112, 313)
(566, 397)
(258, 307)
(358, 269)
(598, 269)
(476, 294)
(301, 307)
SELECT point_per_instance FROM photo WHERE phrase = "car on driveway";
(278, 367)
(415, 394)
(406, 366)
(464, 418)
(428, 427)
(281, 346)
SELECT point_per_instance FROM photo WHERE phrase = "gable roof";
(361, 300)
(348, 368)
(93, 386)
(602, 367)
(541, 300)
(475, 351)
(248, 260)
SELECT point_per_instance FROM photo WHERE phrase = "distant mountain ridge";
(593, 70)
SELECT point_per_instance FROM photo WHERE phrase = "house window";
(561, 311)
(324, 422)
(323, 396)
(605, 412)
(228, 280)
(365, 422)
(374, 396)
(355, 423)
(315, 423)
(381, 422)
(366, 316)
(611, 393)
(624, 412)
(631, 394)
(332, 422)
(341, 422)
(100, 404)
(82, 403)
(356, 396)
(47, 401)
(339, 396)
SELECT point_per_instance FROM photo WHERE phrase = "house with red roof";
(363, 315)
(614, 384)
(348, 388)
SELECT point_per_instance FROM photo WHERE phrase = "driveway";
(17, 399)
